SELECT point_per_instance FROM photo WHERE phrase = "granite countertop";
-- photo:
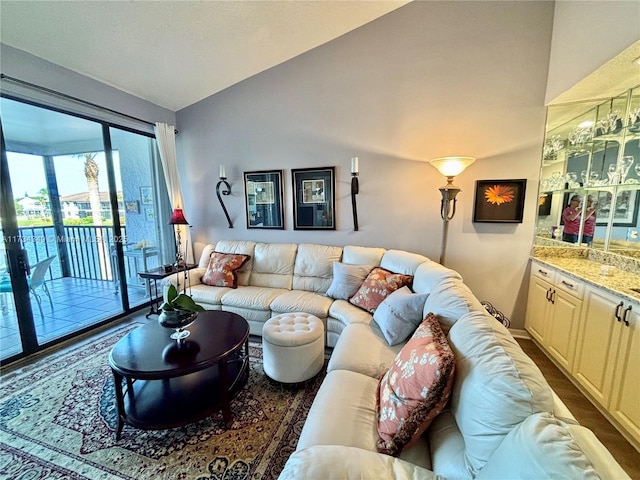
(619, 282)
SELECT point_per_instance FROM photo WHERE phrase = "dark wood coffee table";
(160, 383)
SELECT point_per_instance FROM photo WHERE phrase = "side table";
(156, 274)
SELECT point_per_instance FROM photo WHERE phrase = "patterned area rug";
(58, 421)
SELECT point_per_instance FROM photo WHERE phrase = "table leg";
(152, 310)
(225, 397)
(117, 384)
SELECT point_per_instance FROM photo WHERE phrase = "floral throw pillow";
(377, 286)
(415, 389)
(221, 271)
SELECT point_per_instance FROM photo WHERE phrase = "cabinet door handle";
(627, 312)
(553, 297)
(617, 312)
(542, 272)
(570, 285)
(548, 294)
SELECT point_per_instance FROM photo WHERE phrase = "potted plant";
(178, 312)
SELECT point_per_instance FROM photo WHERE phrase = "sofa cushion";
(362, 348)
(345, 313)
(400, 314)
(429, 274)
(301, 301)
(346, 280)
(355, 255)
(251, 297)
(207, 294)
(313, 268)
(450, 300)
(401, 261)
(415, 389)
(273, 265)
(221, 271)
(544, 447)
(319, 463)
(376, 287)
(242, 247)
(447, 448)
(496, 387)
(343, 413)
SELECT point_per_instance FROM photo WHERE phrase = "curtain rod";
(74, 99)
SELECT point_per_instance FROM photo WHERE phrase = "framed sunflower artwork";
(499, 201)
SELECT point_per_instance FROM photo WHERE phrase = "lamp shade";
(452, 166)
(177, 217)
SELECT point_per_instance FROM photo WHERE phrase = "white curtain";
(166, 138)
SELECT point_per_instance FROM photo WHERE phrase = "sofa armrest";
(194, 277)
(329, 462)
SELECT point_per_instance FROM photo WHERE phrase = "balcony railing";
(88, 250)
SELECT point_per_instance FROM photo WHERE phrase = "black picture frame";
(626, 207)
(264, 199)
(314, 198)
(499, 201)
(544, 204)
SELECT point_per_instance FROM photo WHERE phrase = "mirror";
(592, 155)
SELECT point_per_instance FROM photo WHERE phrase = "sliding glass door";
(85, 204)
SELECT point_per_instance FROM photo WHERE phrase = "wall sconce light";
(355, 189)
(449, 167)
(226, 191)
(177, 218)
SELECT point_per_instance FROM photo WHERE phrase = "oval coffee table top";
(149, 353)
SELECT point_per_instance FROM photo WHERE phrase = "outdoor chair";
(36, 280)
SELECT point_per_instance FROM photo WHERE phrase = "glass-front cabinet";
(590, 179)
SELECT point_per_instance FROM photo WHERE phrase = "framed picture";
(626, 207)
(264, 199)
(132, 206)
(146, 195)
(499, 201)
(314, 198)
(544, 204)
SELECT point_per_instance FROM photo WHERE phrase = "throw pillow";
(399, 314)
(415, 389)
(346, 280)
(377, 286)
(221, 271)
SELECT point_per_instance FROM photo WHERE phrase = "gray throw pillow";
(400, 314)
(346, 280)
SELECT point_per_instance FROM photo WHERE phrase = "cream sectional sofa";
(503, 420)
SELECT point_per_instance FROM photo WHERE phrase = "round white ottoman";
(292, 347)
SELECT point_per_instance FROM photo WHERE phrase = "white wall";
(427, 80)
(586, 35)
(29, 68)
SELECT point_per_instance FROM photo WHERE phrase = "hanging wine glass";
(624, 166)
(572, 179)
(583, 176)
(614, 176)
(594, 179)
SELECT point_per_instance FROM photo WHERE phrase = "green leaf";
(172, 293)
(185, 302)
(167, 307)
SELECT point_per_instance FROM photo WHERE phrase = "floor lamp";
(177, 218)
(449, 167)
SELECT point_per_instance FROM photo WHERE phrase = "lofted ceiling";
(175, 53)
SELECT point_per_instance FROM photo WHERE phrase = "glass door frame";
(26, 322)
(15, 259)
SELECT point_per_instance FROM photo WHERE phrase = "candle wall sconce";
(226, 191)
(355, 189)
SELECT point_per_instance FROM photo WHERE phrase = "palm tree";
(91, 171)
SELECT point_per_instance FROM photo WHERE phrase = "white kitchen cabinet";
(625, 395)
(553, 312)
